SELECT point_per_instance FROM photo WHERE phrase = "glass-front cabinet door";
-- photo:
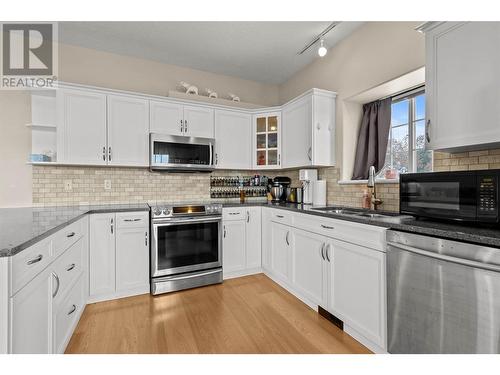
(267, 139)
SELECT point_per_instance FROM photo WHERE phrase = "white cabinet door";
(323, 127)
(102, 254)
(463, 84)
(281, 243)
(128, 131)
(358, 295)
(132, 258)
(81, 127)
(266, 140)
(166, 118)
(31, 317)
(266, 242)
(199, 122)
(296, 133)
(233, 133)
(309, 275)
(253, 238)
(233, 246)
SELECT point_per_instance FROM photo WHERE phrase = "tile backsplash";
(138, 185)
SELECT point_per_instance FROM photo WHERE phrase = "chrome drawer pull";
(132, 219)
(280, 216)
(35, 260)
(70, 267)
(70, 234)
(327, 227)
(73, 309)
(234, 213)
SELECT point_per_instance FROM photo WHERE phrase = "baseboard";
(363, 340)
(247, 272)
(116, 295)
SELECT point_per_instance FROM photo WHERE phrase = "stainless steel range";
(186, 248)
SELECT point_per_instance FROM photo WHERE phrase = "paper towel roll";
(319, 193)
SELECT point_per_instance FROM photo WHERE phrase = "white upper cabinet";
(233, 146)
(267, 140)
(462, 85)
(166, 118)
(198, 122)
(128, 128)
(308, 131)
(81, 130)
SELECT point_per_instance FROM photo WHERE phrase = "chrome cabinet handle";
(146, 238)
(73, 309)
(58, 284)
(35, 260)
(279, 159)
(327, 251)
(309, 153)
(248, 217)
(286, 238)
(112, 230)
(327, 227)
(224, 231)
(323, 251)
(70, 234)
(129, 220)
(234, 213)
(216, 158)
(185, 126)
(427, 132)
(70, 267)
(182, 126)
(280, 216)
(104, 153)
(109, 153)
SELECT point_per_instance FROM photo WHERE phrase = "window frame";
(412, 121)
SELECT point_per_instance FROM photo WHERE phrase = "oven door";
(184, 245)
(440, 195)
(181, 153)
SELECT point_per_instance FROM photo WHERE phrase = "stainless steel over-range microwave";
(181, 153)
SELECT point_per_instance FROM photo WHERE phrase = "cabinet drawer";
(67, 314)
(29, 263)
(68, 267)
(132, 219)
(236, 213)
(324, 226)
(64, 238)
(282, 216)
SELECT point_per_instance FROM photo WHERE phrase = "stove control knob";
(156, 211)
(167, 211)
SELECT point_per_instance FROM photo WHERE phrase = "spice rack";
(230, 186)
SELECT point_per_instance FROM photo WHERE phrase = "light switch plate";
(68, 185)
(107, 184)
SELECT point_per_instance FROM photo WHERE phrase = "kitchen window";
(406, 147)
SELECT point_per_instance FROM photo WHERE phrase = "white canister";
(319, 193)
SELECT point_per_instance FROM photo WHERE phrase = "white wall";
(375, 53)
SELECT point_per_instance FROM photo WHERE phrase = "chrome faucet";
(371, 185)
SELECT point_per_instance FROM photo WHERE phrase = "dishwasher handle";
(446, 258)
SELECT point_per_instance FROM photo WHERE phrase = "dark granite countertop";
(22, 227)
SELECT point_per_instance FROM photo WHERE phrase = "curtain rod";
(403, 93)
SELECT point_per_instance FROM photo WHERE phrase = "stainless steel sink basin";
(386, 216)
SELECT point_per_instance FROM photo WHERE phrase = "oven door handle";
(187, 221)
(184, 277)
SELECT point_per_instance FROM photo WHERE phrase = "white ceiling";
(259, 51)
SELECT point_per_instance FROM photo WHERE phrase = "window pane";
(420, 134)
(272, 157)
(261, 157)
(420, 107)
(261, 141)
(400, 149)
(261, 124)
(424, 160)
(399, 113)
(272, 124)
(272, 140)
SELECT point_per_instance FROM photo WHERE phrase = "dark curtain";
(373, 137)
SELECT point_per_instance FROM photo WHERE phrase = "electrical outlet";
(68, 185)
(107, 184)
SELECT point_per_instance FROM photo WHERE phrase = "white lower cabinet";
(310, 266)
(241, 241)
(281, 237)
(31, 317)
(119, 255)
(358, 294)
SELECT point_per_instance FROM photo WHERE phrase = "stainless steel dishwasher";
(442, 296)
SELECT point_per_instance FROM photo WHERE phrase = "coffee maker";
(278, 187)
(308, 177)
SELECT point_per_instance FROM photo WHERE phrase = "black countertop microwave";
(469, 196)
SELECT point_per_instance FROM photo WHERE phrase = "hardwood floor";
(245, 315)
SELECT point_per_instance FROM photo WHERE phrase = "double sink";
(361, 213)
